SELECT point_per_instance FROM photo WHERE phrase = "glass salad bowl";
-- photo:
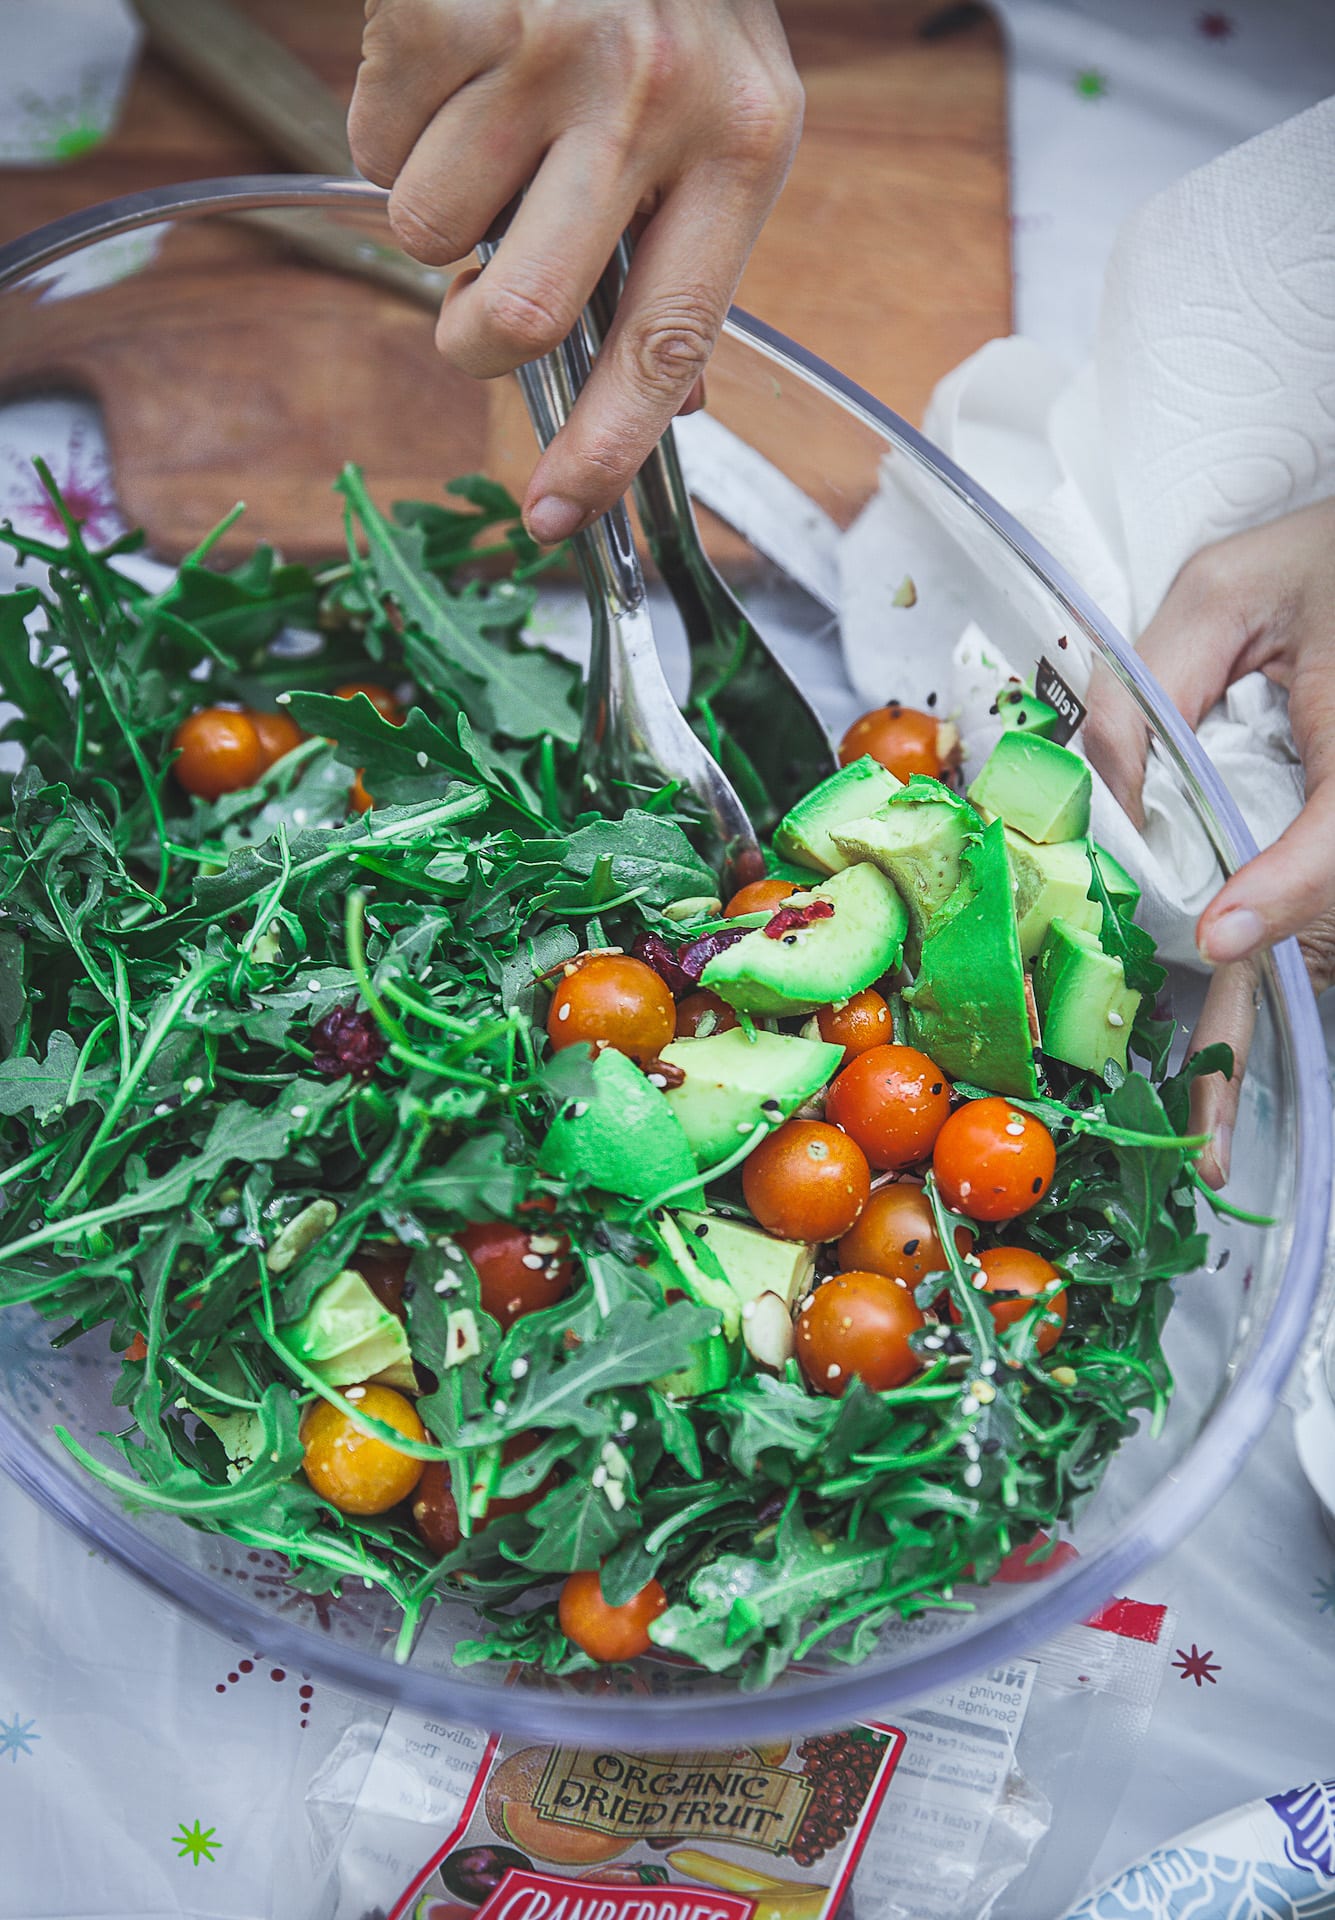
(243, 339)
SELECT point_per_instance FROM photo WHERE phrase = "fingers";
(407, 73)
(469, 163)
(1229, 1014)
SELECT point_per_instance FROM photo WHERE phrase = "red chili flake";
(347, 1040)
(788, 919)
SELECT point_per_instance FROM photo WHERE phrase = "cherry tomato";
(137, 1349)
(897, 1236)
(858, 1324)
(993, 1161)
(902, 739)
(608, 1633)
(355, 1471)
(616, 1001)
(218, 752)
(380, 697)
(519, 1269)
(858, 1025)
(808, 1181)
(693, 1009)
(358, 798)
(1020, 1270)
(278, 732)
(760, 896)
(436, 1513)
(893, 1101)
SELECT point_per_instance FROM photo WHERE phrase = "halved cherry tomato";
(436, 1513)
(279, 734)
(993, 1161)
(759, 896)
(858, 1025)
(893, 1101)
(608, 1633)
(808, 1181)
(904, 740)
(857, 1326)
(613, 1000)
(218, 752)
(896, 1235)
(380, 697)
(699, 1006)
(1021, 1271)
(520, 1269)
(355, 1471)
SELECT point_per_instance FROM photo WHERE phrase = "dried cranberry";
(681, 970)
(695, 957)
(788, 919)
(347, 1041)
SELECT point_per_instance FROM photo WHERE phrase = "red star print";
(1197, 1666)
(1215, 26)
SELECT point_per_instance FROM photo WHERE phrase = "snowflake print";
(1197, 1666)
(1091, 84)
(1215, 26)
(197, 1842)
(16, 1737)
(82, 473)
(1324, 1595)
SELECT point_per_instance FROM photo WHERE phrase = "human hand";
(682, 112)
(1263, 600)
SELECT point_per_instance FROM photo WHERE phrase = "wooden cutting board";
(888, 255)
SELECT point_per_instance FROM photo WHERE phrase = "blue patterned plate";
(1273, 1859)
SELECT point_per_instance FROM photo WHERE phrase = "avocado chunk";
(626, 1139)
(967, 1006)
(1117, 882)
(708, 1367)
(832, 958)
(753, 1262)
(1025, 711)
(675, 1268)
(346, 1335)
(804, 833)
(916, 838)
(1085, 1005)
(1035, 786)
(1051, 882)
(735, 1082)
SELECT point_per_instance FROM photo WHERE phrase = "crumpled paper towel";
(1209, 407)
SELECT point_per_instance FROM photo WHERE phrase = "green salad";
(484, 1206)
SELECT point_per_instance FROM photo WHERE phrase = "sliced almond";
(767, 1330)
(1031, 1010)
(949, 747)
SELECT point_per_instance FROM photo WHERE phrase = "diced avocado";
(831, 959)
(967, 1006)
(708, 1368)
(1120, 887)
(626, 1139)
(754, 1262)
(1083, 1000)
(1034, 785)
(680, 1264)
(734, 1083)
(1051, 882)
(917, 839)
(1025, 711)
(347, 1335)
(804, 833)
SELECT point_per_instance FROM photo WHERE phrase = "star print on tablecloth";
(1215, 26)
(16, 1737)
(1323, 1593)
(1197, 1666)
(1090, 84)
(196, 1841)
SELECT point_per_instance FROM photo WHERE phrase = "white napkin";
(1209, 407)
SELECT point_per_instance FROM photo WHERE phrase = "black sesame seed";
(994, 708)
(1223, 1259)
(910, 1247)
(936, 1086)
(790, 939)
(1038, 1186)
(771, 1106)
(931, 699)
(990, 1446)
(1021, 719)
(701, 1231)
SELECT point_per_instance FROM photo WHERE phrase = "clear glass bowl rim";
(1162, 1519)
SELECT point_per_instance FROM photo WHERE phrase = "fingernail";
(1221, 1145)
(552, 518)
(1233, 935)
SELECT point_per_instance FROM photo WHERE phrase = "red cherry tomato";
(436, 1513)
(759, 896)
(993, 1161)
(613, 1000)
(903, 739)
(808, 1181)
(380, 697)
(893, 1101)
(858, 1025)
(896, 1235)
(520, 1269)
(278, 732)
(218, 752)
(1021, 1271)
(697, 1007)
(384, 1265)
(608, 1633)
(858, 1325)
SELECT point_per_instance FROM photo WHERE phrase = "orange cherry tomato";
(358, 798)
(278, 732)
(380, 697)
(993, 1161)
(1019, 1270)
(859, 1024)
(858, 1325)
(520, 1269)
(903, 739)
(137, 1349)
(808, 1181)
(896, 1235)
(760, 896)
(355, 1471)
(893, 1101)
(613, 1000)
(218, 752)
(436, 1513)
(696, 1006)
(608, 1633)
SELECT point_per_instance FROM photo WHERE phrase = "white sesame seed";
(628, 1420)
(518, 1368)
(422, 760)
(979, 1281)
(658, 1080)
(749, 1310)
(1114, 1018)
(500, 1406)
(355, 1393)
(987, 1366)
(563, 1012)
(193, 1085)
(443, 1286)
(968, 1405)
(581, 1107)
(616, 1495)
(532, 1261)
(544, 1243)
(367, 1581)
(452, 1252)
(283, 699)
(598, 1477)
(299, 1112)
(1015, 1127)
(966, 1188)
(933, 1340)
(832, 1372)
(312, 986)
(743, 1126)
(162, 1107)
(973, 1473)
(899, 1282)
